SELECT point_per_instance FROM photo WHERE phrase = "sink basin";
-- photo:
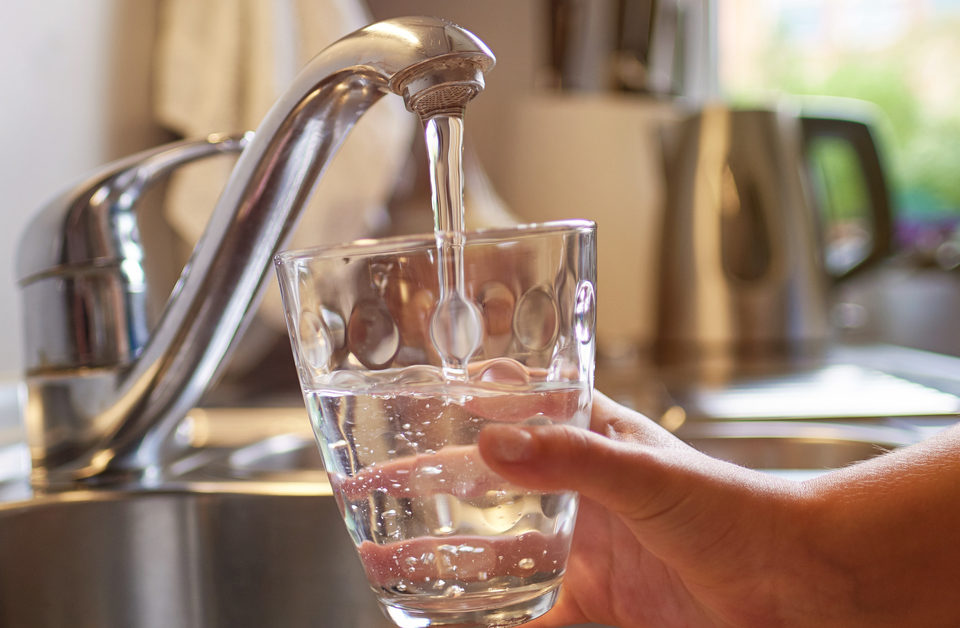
(757, 444)
(182, 559)
(248, 533)
(800, 445)
(159, 559)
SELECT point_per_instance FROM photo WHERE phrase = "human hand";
(666, 536)
(440, 474)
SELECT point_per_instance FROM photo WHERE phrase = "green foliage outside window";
(921, 134)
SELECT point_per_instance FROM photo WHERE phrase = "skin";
(667, 536)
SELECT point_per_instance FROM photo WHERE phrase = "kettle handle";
(858, 134)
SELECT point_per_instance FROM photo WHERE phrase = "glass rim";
(405, 243)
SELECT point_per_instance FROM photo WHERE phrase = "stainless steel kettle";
(743, 275)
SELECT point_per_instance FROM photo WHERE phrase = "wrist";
(815, 583)
(870, 550)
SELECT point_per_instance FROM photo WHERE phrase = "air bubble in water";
(390, 521)
(445, 511)
(453, 590)
(507, 512)
(431, 470)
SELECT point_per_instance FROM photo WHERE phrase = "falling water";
(456, 328)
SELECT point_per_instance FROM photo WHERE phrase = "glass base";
(511, 613)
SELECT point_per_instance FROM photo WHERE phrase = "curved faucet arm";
(422, 59)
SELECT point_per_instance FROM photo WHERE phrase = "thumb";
(631, 479)
(683, 503)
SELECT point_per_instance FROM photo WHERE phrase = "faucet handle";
(84, 248)
(80, 226)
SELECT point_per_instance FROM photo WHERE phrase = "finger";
(680, 502)
(627, 478)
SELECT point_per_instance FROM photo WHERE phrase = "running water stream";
(443, 539)
(456, 328)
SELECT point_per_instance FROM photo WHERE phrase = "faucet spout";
(128, 410)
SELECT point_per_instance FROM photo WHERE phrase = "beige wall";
(74, 93)
(76, 89)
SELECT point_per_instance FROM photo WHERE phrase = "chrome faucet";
(105, 392)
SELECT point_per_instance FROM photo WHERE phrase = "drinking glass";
(406, 348)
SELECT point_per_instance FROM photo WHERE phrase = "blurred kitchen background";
(88, 82)
(777, 188)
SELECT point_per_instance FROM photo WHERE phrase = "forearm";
(882, 539)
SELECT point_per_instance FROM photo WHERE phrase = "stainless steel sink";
(757, 444)
(773, 445)
(183, 558)
(227, 542)
(797, 445)
(247, 533)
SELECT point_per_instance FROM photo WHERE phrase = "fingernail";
(511, 444)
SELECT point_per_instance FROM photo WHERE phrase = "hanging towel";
(221, 64)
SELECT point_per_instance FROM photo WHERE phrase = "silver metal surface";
(742, 266)
(665, 48)
(105, 412)
(289, 453)
(80, 263)
(806, 446)
(810, 446)
(742, 274)
(184, 558)
(245, 530)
